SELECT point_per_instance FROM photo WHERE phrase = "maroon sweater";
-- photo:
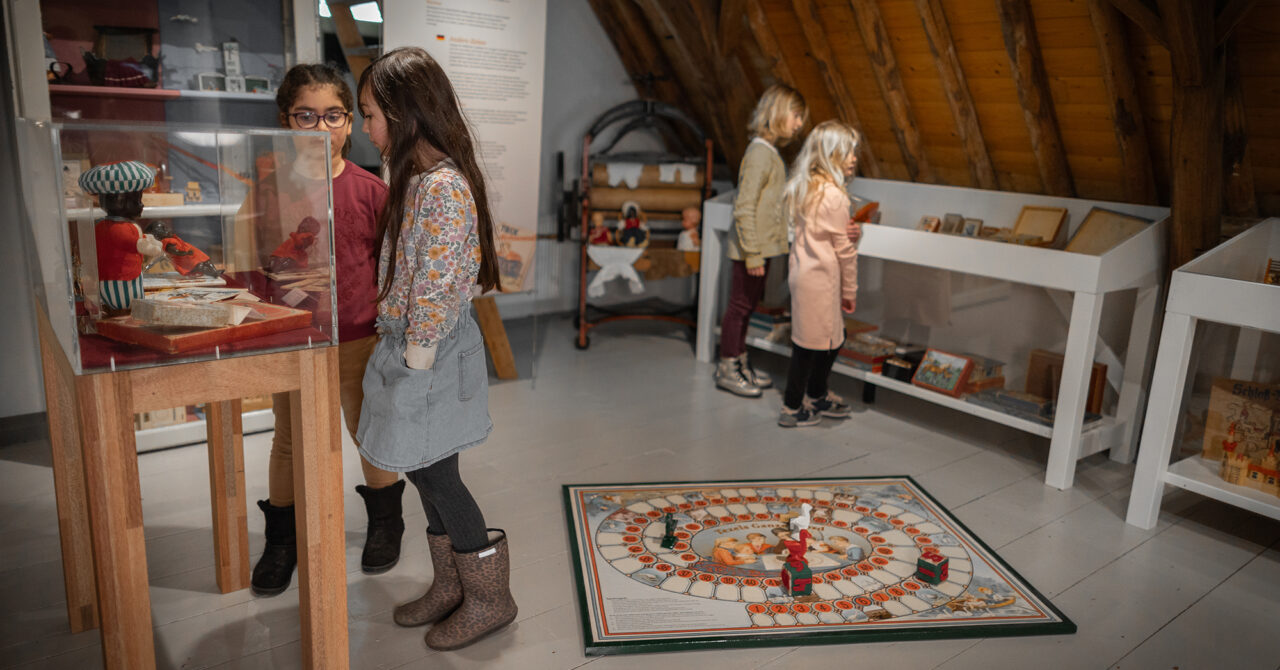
(358, 196)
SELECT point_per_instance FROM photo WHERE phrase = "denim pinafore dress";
(413, 418)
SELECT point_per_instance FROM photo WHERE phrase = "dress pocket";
(471, 371)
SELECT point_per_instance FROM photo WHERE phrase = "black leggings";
(449, 506)
(807, 375)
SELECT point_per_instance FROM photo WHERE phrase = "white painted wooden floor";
(1201, 590)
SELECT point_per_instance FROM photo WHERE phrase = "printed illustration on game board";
(885, 560)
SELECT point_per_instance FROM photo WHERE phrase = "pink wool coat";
(824, 269)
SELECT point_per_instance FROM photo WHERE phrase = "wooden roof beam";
(1032, 83)
(820, 50)
(1126, 109)
(681, 51)
(1195, 145)
(768, 43)
(1240, 197)
(730, 25)
(938, 33)
(1229, 18)
(1142, 14)
(875, 38)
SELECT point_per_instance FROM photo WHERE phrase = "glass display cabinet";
(152, 293)
(242, 268)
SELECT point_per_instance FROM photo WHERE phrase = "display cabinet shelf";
(1135, 263)
(1091, 432)
(1222, 286)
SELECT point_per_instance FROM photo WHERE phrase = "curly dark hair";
(307, 75)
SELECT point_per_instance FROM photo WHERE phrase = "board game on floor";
(875, 549)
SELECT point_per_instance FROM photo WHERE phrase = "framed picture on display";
(972, 228)
(952, 224)
(929, 224)
(1043, 223)
(1103, 229)
(943, 372)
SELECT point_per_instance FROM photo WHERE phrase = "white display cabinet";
(1223, 286)
(1135, 263)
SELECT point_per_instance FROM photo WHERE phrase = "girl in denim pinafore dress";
(426, 393)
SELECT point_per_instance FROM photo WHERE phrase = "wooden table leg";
(115, 515)
(495, 337)
(68, 481)
(226, 490)
(317, 492)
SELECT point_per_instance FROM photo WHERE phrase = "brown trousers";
(352, 357)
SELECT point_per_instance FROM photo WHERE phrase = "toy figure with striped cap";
(121, 245)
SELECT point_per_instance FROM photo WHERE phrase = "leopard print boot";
(445, 593)
(486, 596)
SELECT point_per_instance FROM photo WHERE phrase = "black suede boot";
(386, 526)
(274, 571)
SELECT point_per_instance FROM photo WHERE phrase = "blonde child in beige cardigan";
(759, 233)
(824, 271)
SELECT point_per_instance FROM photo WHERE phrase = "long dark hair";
(313, 74)
(420, 106)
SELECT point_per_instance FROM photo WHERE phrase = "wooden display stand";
(1136, 263)
(1224, 286)
(99, 500)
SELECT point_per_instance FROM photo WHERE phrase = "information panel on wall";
(493, 52)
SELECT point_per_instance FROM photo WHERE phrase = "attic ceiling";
(1066, 97)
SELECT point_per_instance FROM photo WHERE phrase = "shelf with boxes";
(1104, 262)
(1232, 284)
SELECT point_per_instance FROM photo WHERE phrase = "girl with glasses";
(316, 97)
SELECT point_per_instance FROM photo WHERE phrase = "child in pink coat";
(824, 271)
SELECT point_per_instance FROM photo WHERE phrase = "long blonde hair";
(771, 113)
(822, 156)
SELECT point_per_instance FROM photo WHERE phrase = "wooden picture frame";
(1044, 223)
(929, 224)
(952, 223)
(1103, 229)
(943, 372)
(971, 228)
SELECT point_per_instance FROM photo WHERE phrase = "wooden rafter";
(875, 38)
(1196, 138)
(1027, 68)
(1191, 42)
(1240, 197)
(820, 50)
(645, 64)
(1126, 110)
(729, 76)
(1229, 18)
(730, 25)
(696, 88)
(768, 43)
(938, 33)
(1146, 18)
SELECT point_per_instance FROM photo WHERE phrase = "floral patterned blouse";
(438, 257)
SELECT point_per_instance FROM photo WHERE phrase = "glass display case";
(191, 272)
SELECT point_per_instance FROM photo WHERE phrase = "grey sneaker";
(793, 418)
(833, 406)
(731, 377)
(759, 378)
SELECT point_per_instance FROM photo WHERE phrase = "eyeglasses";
(309, 120)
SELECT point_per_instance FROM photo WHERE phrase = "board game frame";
(597, 647)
